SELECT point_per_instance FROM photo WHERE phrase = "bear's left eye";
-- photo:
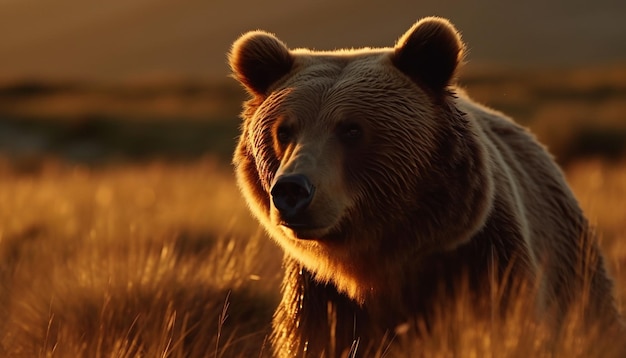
(283, 134)
(350, 132)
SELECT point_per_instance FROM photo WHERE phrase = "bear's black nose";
(292, 194)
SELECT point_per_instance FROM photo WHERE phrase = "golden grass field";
(155, 256)
(132, 261)
(162, 260)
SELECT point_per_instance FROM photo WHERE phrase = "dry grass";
(162, 260)
(601, 190)
(149, 261)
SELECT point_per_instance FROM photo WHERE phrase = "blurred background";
(121, 227)
(92, 81)
(117, 40)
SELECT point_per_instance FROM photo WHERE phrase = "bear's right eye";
(350, 133)
(284, 134)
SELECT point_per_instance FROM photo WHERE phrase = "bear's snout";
(291, 195)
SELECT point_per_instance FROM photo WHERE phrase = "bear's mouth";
(304, 231)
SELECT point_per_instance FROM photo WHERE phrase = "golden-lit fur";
(434, 190)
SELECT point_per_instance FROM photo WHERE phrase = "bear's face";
(342, 152)
(326, 138)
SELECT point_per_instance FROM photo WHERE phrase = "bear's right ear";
(429, 52)
(258, 59)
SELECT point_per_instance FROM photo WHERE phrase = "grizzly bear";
(387, 187)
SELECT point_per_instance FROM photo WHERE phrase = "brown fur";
(429, 190)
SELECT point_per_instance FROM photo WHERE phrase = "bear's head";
(350, 156)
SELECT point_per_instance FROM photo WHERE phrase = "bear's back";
(556, 232)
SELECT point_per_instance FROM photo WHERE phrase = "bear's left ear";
(258, 59)
(429, 52)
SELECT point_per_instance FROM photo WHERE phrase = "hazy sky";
(117, 39)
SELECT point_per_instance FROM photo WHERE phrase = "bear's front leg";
(314, 320)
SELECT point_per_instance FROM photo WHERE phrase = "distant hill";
(117, 39)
